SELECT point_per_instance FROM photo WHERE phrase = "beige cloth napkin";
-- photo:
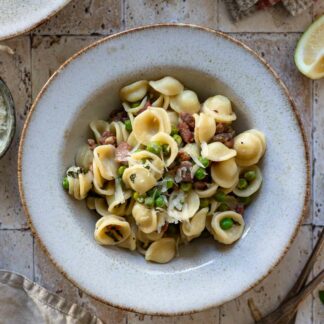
(23, 301)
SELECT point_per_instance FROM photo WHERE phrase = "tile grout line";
(123, 14)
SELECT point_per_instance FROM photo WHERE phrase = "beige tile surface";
(318, 310)
(49, 52)
(318, 152)
(15, 71)
(16, 252)
(274, 19)
(272, 33)
(141, 12)
(85, 17)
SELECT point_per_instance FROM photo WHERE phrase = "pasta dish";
(167, 169)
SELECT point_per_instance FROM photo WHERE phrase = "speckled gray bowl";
(8, 136)
(86, 87)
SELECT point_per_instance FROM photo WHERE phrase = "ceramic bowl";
(20, 16)
(85, 88)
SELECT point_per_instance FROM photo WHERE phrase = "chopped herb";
(133, 177)
(174, 130)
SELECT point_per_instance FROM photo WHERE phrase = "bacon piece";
(200, 185)
(188, 119)
(107, 137)
(183, 156)
(122, 152)
(92, 144)
(185, 132)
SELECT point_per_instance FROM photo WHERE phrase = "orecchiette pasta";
(161, 251)
(220, 108)
(217, 152)
(139, 179)
(227, 236)
(79, 182)
(84, 157)
(205, 128)
(112, 230)
(225, 173)
(104, 157)
(135, 91)
(194, 227)
(149, 123)
(253, 185)
(250, 147)
(168, 86)
(98, 127)
(186, 101)
(167, 170)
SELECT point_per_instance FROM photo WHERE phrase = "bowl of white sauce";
(7, 118)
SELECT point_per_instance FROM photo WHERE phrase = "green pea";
(121, 170)
(200, 174)
(204, 202)
(220, 196)
(242, 184)
(135, 104)
(154, 148)
(226, 223)
(186, 186)
(177, 138)
(128, 125)
(250, 175)
(203, 161)
(174, 130)
(166, 149)
(138, 197)
(222, 207)
(245, 200)
(169, 183)
(160, 202)
(154, 192)
(149, 202)
(65, 183)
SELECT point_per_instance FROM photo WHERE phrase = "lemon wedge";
(309, 53)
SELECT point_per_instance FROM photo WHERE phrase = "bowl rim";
(36, 24)
(137, 29)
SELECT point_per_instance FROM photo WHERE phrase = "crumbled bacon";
(200, 185)
(188, 119)
(120, 116)
(224, 134)
(92, 144)
(239, 209)
(183, 156)
(185, 132)
(122, 152)
(107, 137)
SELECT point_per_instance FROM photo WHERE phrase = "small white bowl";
(85, 88)
(20, 16)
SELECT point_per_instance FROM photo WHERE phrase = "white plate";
(20, 16)
(86, 87)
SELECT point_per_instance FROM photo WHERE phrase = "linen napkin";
(23, 301)
(242, 8)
